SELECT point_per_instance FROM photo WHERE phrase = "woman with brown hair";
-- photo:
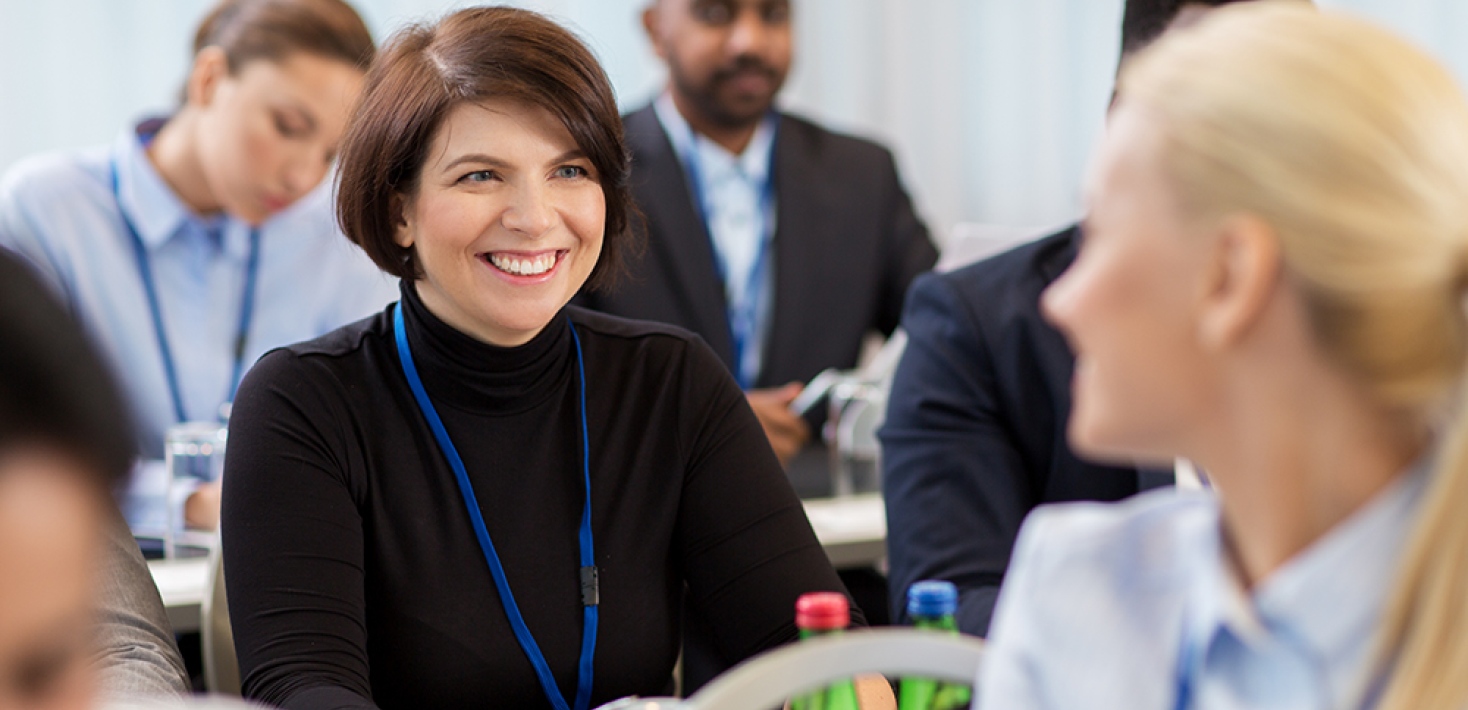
(483, 495)
(198, 241)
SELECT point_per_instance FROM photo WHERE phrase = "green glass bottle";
(932, 604)
(819, 614)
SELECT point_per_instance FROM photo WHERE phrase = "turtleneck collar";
(465, 373)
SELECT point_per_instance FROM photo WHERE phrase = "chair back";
(221, 667)
(771, 678)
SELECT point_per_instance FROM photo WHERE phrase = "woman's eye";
(571, 171)
(286, 128)
(478, 176)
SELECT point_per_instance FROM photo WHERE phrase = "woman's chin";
(1098, 444)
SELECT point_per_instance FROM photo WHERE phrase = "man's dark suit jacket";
(975, 431)
(846, 246)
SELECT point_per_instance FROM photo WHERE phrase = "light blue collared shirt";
(60, 213)
(1110, 606)
(740, 221)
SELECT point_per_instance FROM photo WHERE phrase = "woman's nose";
(1057, 298)
(530, 211)
(306, 170)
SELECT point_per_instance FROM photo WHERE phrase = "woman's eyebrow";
(574, 154)
(480, 158)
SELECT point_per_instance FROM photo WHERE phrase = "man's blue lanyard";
(155, 308)
(743, 316)
(590, 592)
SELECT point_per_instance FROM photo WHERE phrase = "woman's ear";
(402, 228)
(211, 67)
(1239, 282)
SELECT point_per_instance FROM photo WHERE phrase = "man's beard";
(706, 96)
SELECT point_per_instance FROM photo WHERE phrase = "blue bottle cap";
(932, 598)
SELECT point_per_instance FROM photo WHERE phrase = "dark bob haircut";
(474, 55)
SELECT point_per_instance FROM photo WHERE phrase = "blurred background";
(991, 106)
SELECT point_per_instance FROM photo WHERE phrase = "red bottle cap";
(822, 611)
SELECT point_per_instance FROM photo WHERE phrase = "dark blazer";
(975, 431)
(846, 246)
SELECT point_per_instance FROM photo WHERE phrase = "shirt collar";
(153, 208)
(1329, 596)
(753, 163)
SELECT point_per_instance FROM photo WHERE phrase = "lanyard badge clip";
(590, 586)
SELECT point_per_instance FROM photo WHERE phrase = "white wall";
(992, 106)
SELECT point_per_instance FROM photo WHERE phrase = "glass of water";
(193, 453)
(857, 409)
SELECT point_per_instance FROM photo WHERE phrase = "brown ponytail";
(247, 30)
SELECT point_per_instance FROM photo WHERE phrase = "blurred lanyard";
(743, 315)
(1186, 659)
(590, 591)
(150, 288)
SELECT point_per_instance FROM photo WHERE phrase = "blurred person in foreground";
(1271, 284)
(66, 639)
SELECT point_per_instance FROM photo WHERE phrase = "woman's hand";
(201, 509)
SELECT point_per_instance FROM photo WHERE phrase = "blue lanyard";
(590, 591)
(155, 308)
(1184, 675)
(743, 317)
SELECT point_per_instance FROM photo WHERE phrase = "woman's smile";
(525, 267)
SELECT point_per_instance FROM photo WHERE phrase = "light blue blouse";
(1130, 606)
(61, 214)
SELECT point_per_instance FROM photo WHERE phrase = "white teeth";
(523, 267)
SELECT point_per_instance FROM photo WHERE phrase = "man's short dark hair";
(1144, 20)
(55, 390)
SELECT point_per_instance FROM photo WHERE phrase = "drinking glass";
(193, 453)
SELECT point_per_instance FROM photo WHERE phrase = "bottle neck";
(940, 623)
(817, 633)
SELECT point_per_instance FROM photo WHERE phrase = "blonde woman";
(1271, 285)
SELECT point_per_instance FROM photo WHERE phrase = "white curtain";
(992, 106)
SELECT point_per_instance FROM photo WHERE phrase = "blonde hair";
(1353, 145)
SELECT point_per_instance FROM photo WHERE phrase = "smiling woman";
(484, 495)
(65, 444)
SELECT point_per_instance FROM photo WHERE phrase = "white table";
(181, 583)
(853, 531)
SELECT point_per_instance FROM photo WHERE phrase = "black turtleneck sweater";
(354, 576)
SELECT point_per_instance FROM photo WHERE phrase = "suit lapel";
(678, 239)
(798, 239)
